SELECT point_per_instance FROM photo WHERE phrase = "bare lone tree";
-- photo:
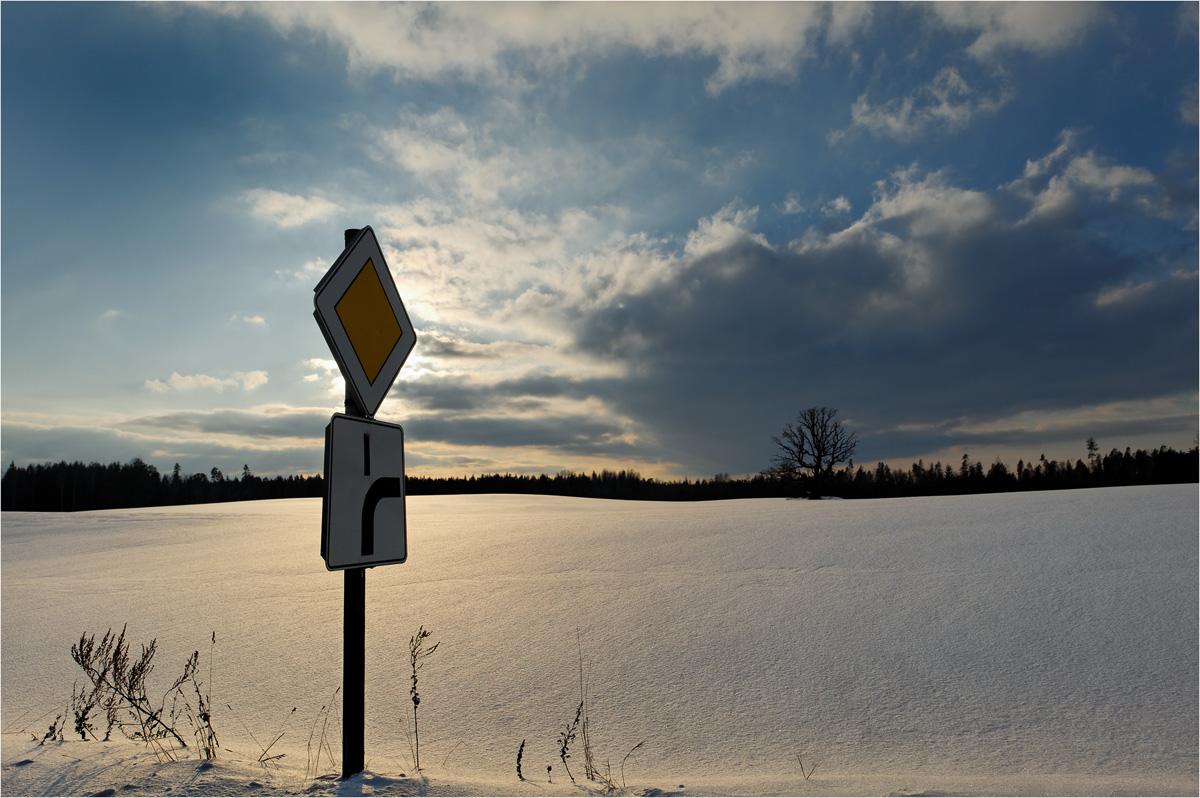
(813, 446)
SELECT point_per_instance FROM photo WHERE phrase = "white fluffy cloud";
(1055, 183)
(498, 155)
(749, 41)
(792, 204)
(325, 372)
(723, 229)
(1039, 28)
(1103, 175)
(245, 380)
(287, 210)
(946, 104)
(836, 206)
(929, 206)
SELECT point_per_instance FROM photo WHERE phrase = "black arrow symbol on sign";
(382, 488)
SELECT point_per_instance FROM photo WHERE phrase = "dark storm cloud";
(1032, 442)
(939, 304)
(282, 423)
(25, 444)
(457, 394)
(938, 312)
(451, 348)
(578, 435)
(162, 447)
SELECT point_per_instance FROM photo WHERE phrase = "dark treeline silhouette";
(75, 486)
(1154, 467)
(67, 487)
(605, 485)
(1160, 466)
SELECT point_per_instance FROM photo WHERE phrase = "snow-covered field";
(1014, 644)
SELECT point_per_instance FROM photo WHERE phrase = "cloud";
(1101, 174)
(932, 279)
(499, 155)
(1039, 28)
(287, 210)
(559, 334)
(684, 348)
(449, 348)
(108, 319)
(490, 42)
(325, 364)
(498, 272)
(253, 321)
(1037, 167)
(571, 435)
(929, 206)
(273, 439)
(728, 226)
(443, 151)
(1146, 291)
(836, 206)
(792, 204)
(264, 422)
(1189, 106)
(310, 272)
(947, 104)
(245, 380)
(1058, 433)
(325, 371)
(1031, 428)
(1057, 183)
(722, 170)
(1188, 21)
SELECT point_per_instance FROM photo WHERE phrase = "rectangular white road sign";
(362, 520)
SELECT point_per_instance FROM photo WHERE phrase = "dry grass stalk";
(417, 654)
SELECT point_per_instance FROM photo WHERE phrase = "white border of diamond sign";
(329, 292)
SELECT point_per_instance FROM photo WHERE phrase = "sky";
(629, 236)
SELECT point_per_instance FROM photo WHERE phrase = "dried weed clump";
(118, 687)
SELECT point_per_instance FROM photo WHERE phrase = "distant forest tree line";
(69, 487)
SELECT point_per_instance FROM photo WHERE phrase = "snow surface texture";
(1039, 643)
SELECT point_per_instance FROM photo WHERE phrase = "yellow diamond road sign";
(366, 314)
(364, 322)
